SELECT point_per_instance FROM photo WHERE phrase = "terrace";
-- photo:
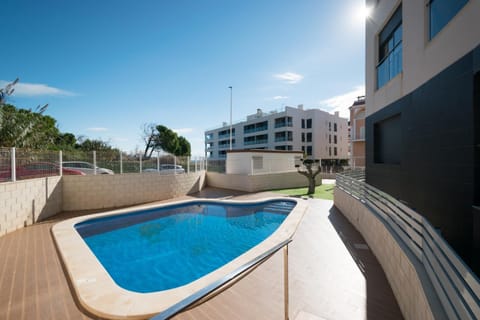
(332, 275)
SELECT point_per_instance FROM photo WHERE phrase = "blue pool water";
(165, 248)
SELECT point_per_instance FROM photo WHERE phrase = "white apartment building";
(319, 134)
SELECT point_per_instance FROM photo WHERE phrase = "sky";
(106, 68)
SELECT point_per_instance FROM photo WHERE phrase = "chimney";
(300, 107)
(337, 114)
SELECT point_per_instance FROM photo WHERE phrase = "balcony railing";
(248, 143)
(251, 130)
(456, 286)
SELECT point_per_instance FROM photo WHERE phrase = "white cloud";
(343, 101)
(280, 97)
(36, 89)
(97, 129)
(289, 77)
(183, 130)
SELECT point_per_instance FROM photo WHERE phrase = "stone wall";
(27, 201)
(110, 191)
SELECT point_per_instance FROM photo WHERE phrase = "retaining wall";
(407, 277)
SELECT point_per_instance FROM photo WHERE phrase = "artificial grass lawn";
(325, 191)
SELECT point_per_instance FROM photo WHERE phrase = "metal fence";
(457, 287)
(18, 164)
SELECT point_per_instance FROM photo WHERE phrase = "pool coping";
(99, 294)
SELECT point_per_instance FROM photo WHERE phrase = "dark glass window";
(441, 12)
(329, 138)
(303, 136)
(303, 123)
(335, 127)
(335, 151)
(329, 151)
(390, 49)
(329, 126)
(335, 139)
(309, 123)
(387, 140)
(309, 150)
(309, 137)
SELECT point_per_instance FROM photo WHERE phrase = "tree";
(159, 137)
(310, 169)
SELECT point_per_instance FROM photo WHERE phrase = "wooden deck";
(332, 276)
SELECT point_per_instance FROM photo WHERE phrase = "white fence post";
(94, 162)
(140, 158)
(60, 162)
(188, 164)
(158, 160)
(13, 165)
(121, 163)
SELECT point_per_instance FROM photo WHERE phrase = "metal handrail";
(457, 287)
(223, 283)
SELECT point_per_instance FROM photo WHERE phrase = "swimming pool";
(137, 263)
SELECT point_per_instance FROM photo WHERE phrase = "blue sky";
(107, 67)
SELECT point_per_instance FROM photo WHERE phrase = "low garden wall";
(110, 191)
(258, 182)
(25, 202)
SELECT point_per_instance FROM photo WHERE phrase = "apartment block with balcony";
(423, 112)
(357, 133)
(317, 133)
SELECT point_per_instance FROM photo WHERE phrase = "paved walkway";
(332, 274)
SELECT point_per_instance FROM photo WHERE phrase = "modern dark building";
(423, 112)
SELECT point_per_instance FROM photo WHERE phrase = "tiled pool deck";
(332, 274)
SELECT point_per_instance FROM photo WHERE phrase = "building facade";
(317, 133)
(357, 133)
(423, 112)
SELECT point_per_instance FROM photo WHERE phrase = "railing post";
(60, 162)
(13, 166)
(121, 163)
(158, 161)
(174, 164)
(188, 164)
(285, 280)
(140, 158)
(94, 162)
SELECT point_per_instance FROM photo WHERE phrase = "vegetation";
(159, 137)
(310, 169)
(23, 128)
(324, 191)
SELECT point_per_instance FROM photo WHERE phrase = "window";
(335, 151)
(335, 139)
(390, 49)
(387, 140)
(441, 12)
(329, 126)
(303, 123)
(309, 137)
(329, 138)
(309, 123)
(257, 163)
(329, 151)
(303, 136)
(335, 127)
(309, 150)
(283, 122)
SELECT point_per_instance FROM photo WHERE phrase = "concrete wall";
(109, 191)
(260, 182)
(407, 277)
(27, 201)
